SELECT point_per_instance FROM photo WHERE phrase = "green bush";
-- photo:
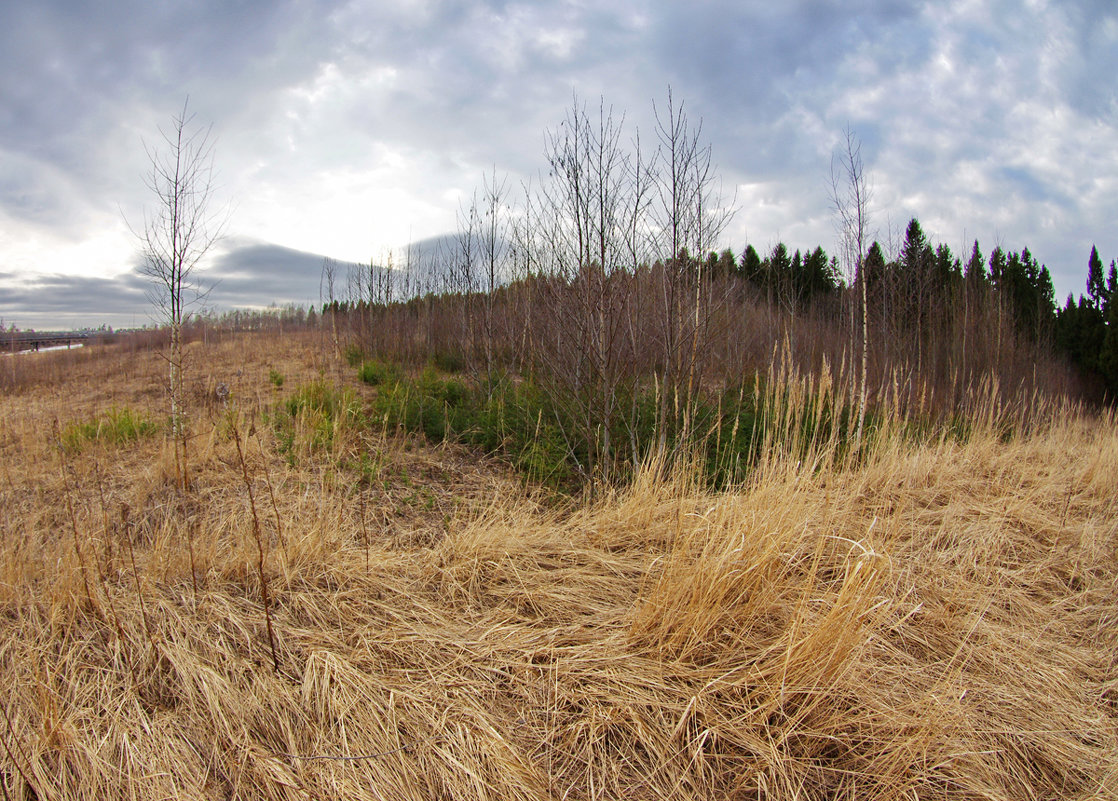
(522, 420)
(276, 377)
(116, 427)
(354, 354)
(513, 420)
(449, 361)
(314, 418)
(377, 373)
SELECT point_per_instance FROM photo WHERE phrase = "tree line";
(602, 280)
(605, 280)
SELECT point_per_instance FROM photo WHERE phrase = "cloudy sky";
(345, 129)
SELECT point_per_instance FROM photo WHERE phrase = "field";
(334, 609)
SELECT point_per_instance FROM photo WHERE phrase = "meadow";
(337, 606)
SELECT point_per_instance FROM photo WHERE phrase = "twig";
(259, 549)
(136, 580)
(11, 756)
(125, 640)
(271, 491)
(356, 758)
(74, 524)
(189, 523)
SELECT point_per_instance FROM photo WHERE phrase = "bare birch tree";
(850, 198)
(494, 241)
(327, 298)
(176, 235)
(691, 216)
(580, 228)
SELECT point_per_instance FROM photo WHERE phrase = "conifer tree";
(1108, 354)
(750, 268)
(1096, 289)
(975, 272)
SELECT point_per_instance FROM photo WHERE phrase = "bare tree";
(580, 221)
(176, 235)
(463, 275)
(850, 198)
(327, 298)
(691, 216)
(494, 242)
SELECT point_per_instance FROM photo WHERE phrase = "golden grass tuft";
(933, 620)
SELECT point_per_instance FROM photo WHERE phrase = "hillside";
(334, 609)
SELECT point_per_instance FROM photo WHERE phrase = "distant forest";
(932, 315)
(604, 289)
(608, 274)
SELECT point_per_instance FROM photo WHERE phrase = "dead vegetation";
(936, 621)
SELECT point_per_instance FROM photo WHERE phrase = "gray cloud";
(70, 301)
(991, 120)
(245, 275)
(259, 274)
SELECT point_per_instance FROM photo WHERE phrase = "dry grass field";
(366, 617)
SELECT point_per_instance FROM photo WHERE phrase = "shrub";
(116, 427)
(317, 416)
(276, 377)
(377, 373)
(354, 354)
(449, 361)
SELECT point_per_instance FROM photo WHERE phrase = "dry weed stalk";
(258, 537)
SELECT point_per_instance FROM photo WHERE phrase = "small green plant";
(377, 373)
(449, 361)
(354, 354)
(316, 417)
(118, 426)
(276, 377)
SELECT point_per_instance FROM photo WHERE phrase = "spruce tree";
(975, 273)
(1108, 354)
(874, 266)
(1096, 289)
(997, 265)
(751, 265)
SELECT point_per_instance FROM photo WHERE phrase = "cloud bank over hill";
(350, 128)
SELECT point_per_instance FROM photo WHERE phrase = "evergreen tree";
(1086, 331)
(997, 265)
(778, 269)
(874, 266)
(1108, 352)
(975, 272)
(1096, 289)
(796, 279)
(916, 254)
(819, 277)
(751, 266)
(948, 269)
(1067, 330)
(726, 264)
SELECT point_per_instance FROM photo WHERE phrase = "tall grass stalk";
(259, 539)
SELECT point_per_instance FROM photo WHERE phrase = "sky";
(348, 129)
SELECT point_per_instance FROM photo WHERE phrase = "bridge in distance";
(34, 340)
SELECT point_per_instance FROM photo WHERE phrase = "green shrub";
(276, 377)
(116, 427)
(354, 354)
(377, 373)
(315, 417)
(524, 421)
(514, 420)
(449, 361)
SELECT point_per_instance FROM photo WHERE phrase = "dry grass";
(936, 622)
